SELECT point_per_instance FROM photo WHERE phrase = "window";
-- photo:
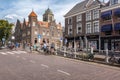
(69, 20)
(93, 44)
(88, 15)
(52, 33)
(69, 29)
(107, 18)
(36, 32)
(95, 13)
(28, 32)
(79, 17)
(33, 24)
(43, 32)
(29, 25)
(88, 27)
(47, 33)
(79, 28)
(58, 33)
(96, 26)
(112, 2)
(23, 35)
(108, 33)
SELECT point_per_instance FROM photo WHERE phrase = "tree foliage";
(5, 29)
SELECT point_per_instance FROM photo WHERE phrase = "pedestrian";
(16, 46)
(44, 46)
(31, 48)
(35, 47)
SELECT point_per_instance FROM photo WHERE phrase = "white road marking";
(3, 53)
(16, 52)
(45, 65)
(64, 72)
(22, 51)
(10, 53)
(32, 61)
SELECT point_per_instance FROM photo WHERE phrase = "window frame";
(88, 28)
(96, 14)
(33, 24)
(113, 2)
(79, 17)
(79, 25)
(88, 16)
(70, 29)
(70, 20)
(96, 29)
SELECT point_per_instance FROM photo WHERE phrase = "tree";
(5, 29)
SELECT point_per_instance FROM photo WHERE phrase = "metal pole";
(74, 47)
(113, 33)
(86, 46)
(99, 44)
(106, 57)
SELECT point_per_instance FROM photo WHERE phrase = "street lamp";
(13, 38)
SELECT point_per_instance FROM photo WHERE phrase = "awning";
(117, 12)
(106, 14)
(105, 28)
(117, 26)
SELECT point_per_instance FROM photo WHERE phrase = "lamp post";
(13, 38)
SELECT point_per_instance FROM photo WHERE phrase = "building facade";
(39, 32)
(82, 25)
(110, 26)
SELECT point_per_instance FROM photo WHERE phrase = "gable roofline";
(32, 14)
(78, 5)
(89, 3)
(81, 7)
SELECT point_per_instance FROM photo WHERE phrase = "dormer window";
(33, 24)
(79, 17)
(112, 2)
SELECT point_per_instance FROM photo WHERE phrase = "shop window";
(44, 40)
(108, 33)
(107, 18)
(35, 40)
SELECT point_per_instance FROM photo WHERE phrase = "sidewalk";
(97, 57)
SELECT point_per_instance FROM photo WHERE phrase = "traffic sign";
(61, 39)
(39, 36)
(3, 39)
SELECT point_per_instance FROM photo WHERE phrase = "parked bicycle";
(114, 59)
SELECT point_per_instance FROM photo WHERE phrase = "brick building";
(39, 32)
(82, 25)
(110, 26)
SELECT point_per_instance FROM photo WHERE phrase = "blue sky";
(13, 9)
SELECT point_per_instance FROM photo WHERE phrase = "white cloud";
(21, 8)
(12, 16)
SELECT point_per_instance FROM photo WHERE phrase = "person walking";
(16, 46)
